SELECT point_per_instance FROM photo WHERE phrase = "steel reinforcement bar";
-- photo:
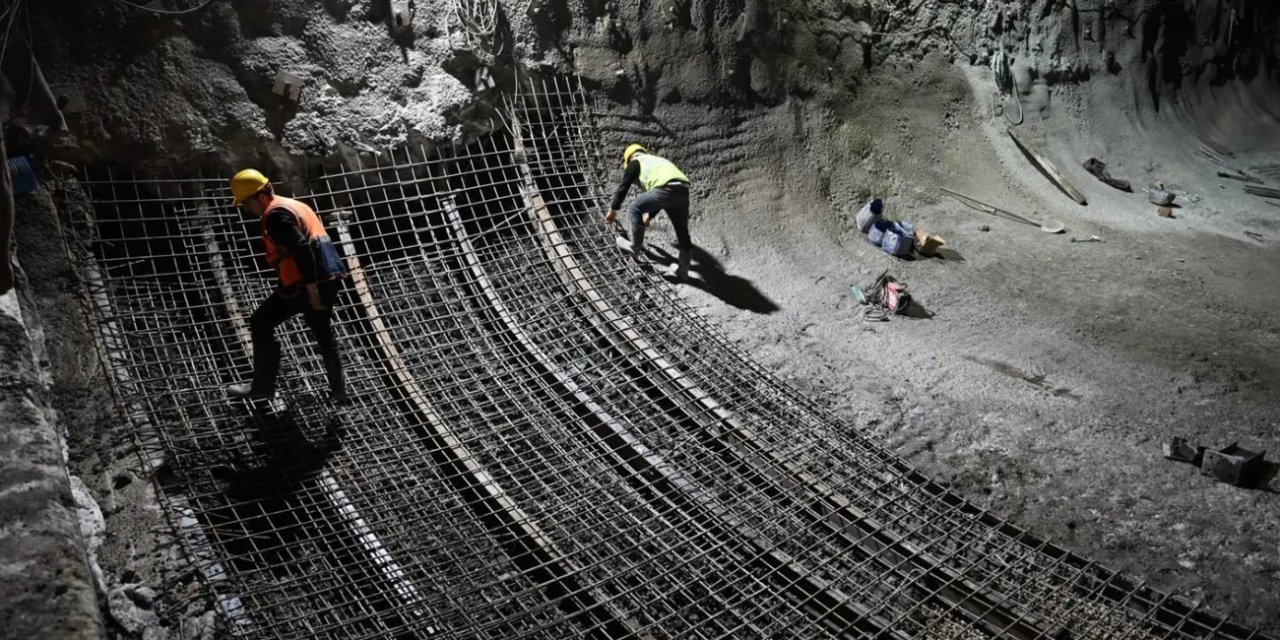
(528, 545)
(543, 441)
(1097, 601)
(650, 469)
(864, 536)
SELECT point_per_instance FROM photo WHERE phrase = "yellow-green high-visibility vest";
(656, 172)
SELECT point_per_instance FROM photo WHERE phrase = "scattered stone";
(127, 614)
(984, 228)
(198, 628)
(1182, 451)
(144, 596)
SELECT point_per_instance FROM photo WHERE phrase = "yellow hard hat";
(245, 184)
(631, 151)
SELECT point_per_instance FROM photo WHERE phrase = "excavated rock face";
(201, 84)
(784, 113)
(759, 52)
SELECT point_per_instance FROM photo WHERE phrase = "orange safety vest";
(278, 257)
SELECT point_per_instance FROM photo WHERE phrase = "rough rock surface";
(45, 582)
(199, 87)
(1043, 375)
(1047, 372)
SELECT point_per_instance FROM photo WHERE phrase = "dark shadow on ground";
(1265, 480)
(282, 454)
(917, 311)
(707, 274)
(262, 516)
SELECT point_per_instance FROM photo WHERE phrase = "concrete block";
(1233, 465)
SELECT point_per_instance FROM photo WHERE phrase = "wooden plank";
(1240, 177)
(1264, 192)
(1052, 171)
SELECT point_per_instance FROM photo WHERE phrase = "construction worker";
(665, 189)
(310, 275)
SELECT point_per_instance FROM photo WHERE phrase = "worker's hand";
(644, 219)
(313, 296)
(610, 216)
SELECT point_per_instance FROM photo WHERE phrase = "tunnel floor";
(544, 440)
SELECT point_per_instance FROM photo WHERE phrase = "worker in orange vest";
(310, 274)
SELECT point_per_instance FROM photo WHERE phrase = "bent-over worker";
(665, 189)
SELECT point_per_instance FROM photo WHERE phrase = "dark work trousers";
(273, 312)
(672, 198)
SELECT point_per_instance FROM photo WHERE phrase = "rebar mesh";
(544, 441)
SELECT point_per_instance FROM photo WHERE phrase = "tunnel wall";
(46, 582)
(544, 442)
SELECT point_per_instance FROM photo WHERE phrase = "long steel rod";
(534, 549)
(648, 463)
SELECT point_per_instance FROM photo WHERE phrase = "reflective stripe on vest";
(307, 221)
(656, 172)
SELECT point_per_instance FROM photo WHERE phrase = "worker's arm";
(284, 230)
(630, 176)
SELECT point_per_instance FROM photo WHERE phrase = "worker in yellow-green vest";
(666, 188)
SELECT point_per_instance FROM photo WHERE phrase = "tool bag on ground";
(884, 297)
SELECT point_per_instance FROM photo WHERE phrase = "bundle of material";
(884, 297)
(1099, 170)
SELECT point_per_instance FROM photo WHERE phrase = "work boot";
(246, 391)
(266, 367)
(682, 267)
(337, 386)
(629, 248)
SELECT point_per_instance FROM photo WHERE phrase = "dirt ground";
(1041, 376)
(1044, 374)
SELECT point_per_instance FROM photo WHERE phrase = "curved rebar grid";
(1074, 595)
(543, 442)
